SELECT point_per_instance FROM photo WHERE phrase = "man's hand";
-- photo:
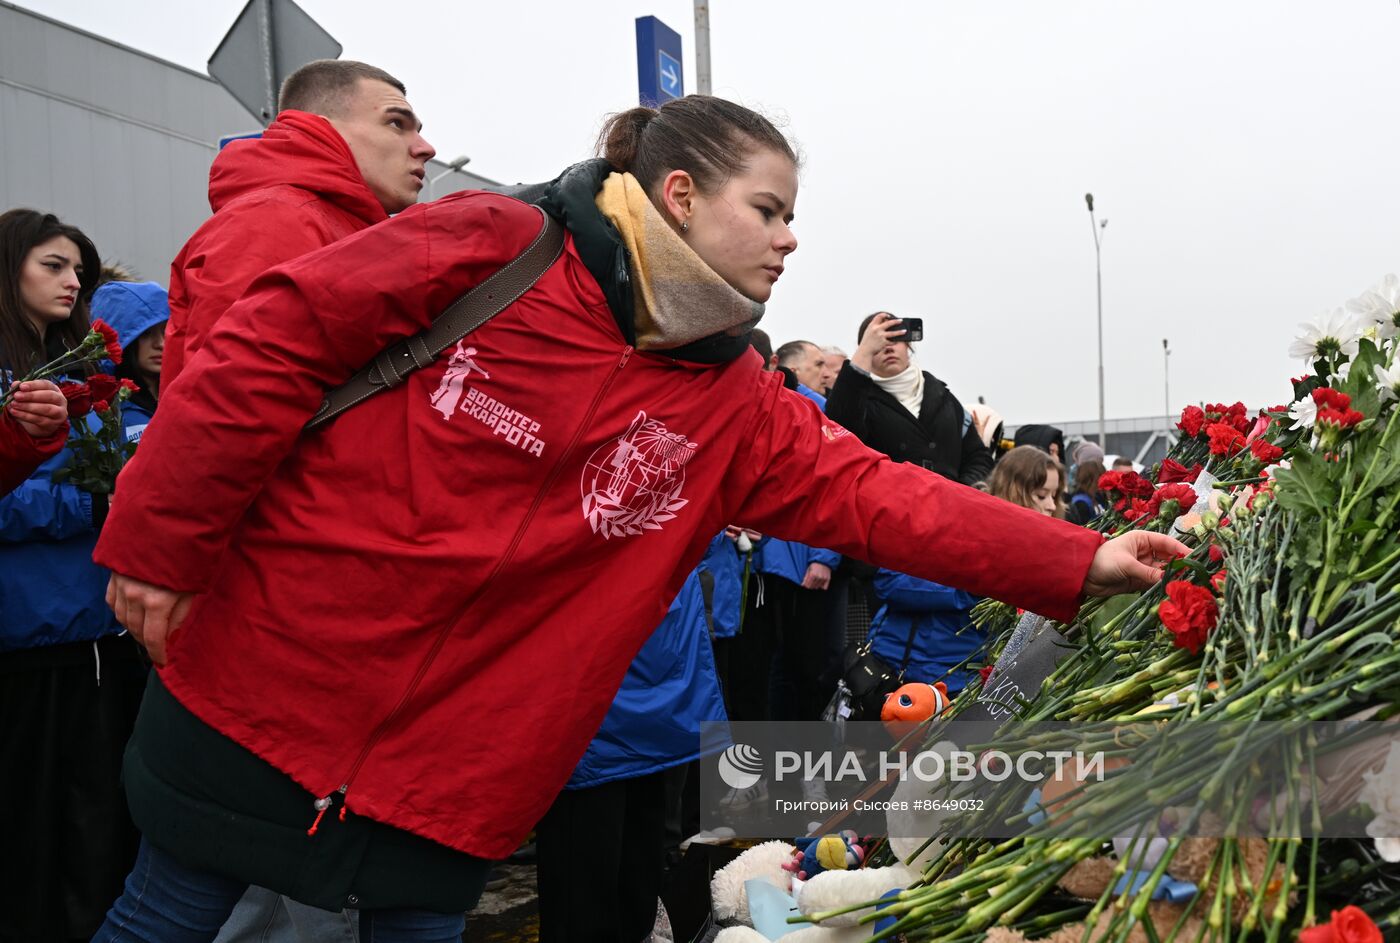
(1131, 562)
(818, 576)
(149, 612)
(39, 407)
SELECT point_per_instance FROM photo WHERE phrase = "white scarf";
(907, 386)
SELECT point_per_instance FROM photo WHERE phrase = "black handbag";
(868, 679)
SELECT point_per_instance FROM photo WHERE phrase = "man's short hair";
(758, 340)
(793, 351)
(322, 87)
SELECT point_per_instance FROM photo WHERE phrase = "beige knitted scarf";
(678, 297)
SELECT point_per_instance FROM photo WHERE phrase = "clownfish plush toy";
(915, 703)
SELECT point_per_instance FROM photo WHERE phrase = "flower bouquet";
(100, 343)
(1285, 616)
(98, 443)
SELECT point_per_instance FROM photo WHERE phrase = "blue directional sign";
(660, 77)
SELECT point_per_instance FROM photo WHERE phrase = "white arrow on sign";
(669, 75)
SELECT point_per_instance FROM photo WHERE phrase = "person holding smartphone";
(896, 408)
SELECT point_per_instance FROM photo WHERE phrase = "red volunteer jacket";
(295, 189)
(21, 453)
(430, 603)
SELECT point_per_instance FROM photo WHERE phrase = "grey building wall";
(1144, 439)
(114, 141)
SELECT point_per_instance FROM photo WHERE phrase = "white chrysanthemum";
(1334, 331)
(1303, 413)
(1379, 307)
(1389, 380)
(1382, 794)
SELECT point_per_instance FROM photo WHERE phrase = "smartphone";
(913, 329)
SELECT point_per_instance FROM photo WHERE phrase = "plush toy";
(914, 703)
(840, 852)
(833, 888)
(1088, 879)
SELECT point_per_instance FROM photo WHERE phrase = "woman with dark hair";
(1086, 501)
(70, 679)
(138, 312)
(893, 406)
(385, 644)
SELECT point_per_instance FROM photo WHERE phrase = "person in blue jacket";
(70, 679)
(601, 845)
(137, 311)
(808, 605)
(925, 629)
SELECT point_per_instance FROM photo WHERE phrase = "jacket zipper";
(324, 803)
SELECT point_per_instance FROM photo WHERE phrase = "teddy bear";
(1088, 879)
(832, 889)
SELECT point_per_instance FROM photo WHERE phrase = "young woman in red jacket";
(394, 637)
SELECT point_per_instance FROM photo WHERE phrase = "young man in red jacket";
(345, 151)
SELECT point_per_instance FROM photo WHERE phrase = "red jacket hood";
(297, 148)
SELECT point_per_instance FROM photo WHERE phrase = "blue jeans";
(166, 902)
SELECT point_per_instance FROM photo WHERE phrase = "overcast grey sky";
(1244, 152)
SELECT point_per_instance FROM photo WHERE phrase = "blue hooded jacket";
(940, 617)
(671, 687)
(786, 558)
(132, 309)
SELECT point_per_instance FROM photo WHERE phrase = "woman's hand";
(1131, 562)
(883, 330)
(39, 407)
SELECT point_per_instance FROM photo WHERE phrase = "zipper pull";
(321, 805)
(324, 803)
(626, 354)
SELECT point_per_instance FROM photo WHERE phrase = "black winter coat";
(936, 439)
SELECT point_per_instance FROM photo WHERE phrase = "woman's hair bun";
(621, 137)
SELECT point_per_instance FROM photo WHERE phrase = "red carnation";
(1189, 612)
(1193, 419)
(1325, 397)
(1183, 494)
(1111, 481)
(1349, 925)
(1173, 471)
(1224, 439)
(109, 340)
(1134, 484)
(1133, 508)
(1266, 452)
(130, 385)
(104, 386)
(1215, 554)
(1217, 581)
(79, 398)
(984, 673)
(101, 406)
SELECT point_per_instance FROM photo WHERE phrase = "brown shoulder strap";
(394, 363)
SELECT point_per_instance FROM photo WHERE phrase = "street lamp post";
(702, 46)
(1167, 388)
(452, 168)
(1095, 226)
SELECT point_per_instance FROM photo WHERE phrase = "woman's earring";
(685, 225)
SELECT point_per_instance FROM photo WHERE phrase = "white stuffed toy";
(831, 890)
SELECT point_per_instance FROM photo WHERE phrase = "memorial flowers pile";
(1285, 613)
